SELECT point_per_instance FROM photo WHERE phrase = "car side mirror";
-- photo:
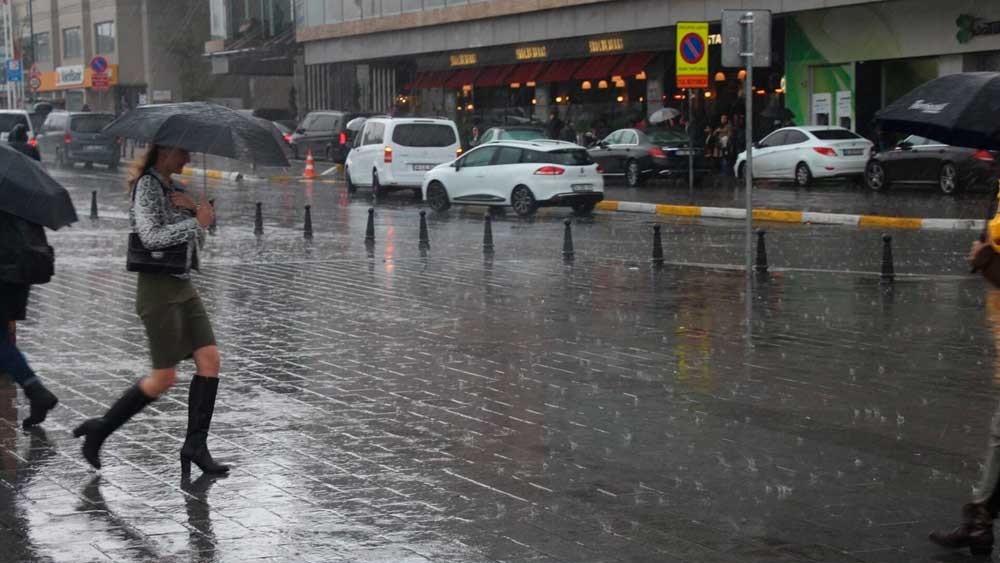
(905, 145)
(458, 165)
(300, 131)
(603, 144)
(756, 145)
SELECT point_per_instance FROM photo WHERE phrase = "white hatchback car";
(393, 153)
(525, 175)
(803, 153)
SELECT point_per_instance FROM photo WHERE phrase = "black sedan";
(638, 155)
(918, 160)
(512, 133)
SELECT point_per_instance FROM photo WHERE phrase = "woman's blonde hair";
(141, 166)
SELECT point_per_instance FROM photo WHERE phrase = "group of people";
(176, 323)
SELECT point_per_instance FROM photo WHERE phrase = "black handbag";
(170, 260)
(25, 255)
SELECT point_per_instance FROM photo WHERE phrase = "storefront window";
(72, 43)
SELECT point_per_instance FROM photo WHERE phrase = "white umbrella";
(663, 115)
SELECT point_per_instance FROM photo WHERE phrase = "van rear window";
(423, 135)
(9, 120)
(89, 123)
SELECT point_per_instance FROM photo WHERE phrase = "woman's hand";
(204, 214)
(183, 201)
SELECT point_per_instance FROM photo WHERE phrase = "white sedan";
(803, 153)
(525, 175)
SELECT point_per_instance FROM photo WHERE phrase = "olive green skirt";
(175, 319)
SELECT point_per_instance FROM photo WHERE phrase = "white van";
(394, 153)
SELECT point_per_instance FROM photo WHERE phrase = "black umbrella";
(28, 192)
(205, 128)
(961, 110)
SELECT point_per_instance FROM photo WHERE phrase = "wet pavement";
(445, 406)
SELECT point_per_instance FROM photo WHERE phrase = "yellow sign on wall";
(692, 55)
(464, 59)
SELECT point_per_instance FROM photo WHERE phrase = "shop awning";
(597, 67)
(494, 76)
(632, 64)
(560, 71)
(526, 72)
(433, 79)
(463, 77)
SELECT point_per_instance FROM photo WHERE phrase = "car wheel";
(948, 179)
(583, 208)
(803, 177)
(351, 188)
(633, 175)
(523, 201)
(376, 187)
(329, 153)
(741, 171)
(437, 197)
(875, 177)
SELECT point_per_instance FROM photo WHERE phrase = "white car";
(394, 153)
(11, 117)
(525, 175)
(803, 153)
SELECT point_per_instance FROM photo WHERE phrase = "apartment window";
(43, 48)
(104, 37)
(72, 43)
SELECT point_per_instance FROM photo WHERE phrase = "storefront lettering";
(463, 59)
(69, 75)
(606, 45)
(925, 107)
(531, 53)
(715, 39)
(971, 26)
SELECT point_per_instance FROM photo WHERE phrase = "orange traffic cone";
(310, 170)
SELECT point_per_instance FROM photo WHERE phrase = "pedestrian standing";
(723, 135)
(25, 259)
(555, 126)
(177, 326)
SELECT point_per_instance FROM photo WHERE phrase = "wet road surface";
(442, 406)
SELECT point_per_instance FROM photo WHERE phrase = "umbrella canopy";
(961, 110)
(205, 128)
(28, 192)
(664, 114)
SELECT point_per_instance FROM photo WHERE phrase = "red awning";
(525, 73)
(632, 64)
(494, 75)
(434, 79)
(463, 77)
(597, 67)
(560, 71)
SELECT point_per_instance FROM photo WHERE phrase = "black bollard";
(657, 246)
(307, 229)
(760, 263)
(93, 205)
(487, 233)
(568, 240)
(213, 225)
(370, 229)
(258, 220)
(888, 272)
(425, 241)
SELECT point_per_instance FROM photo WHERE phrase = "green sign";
(970, 26)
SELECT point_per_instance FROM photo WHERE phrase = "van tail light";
(388, 154)
(343, 138)
(459, 151)
(67, 139)
(600, 169)
(288, 137)
(985, 156)
(825, 151)
(33, 142)
(657, 152)
(550, 171)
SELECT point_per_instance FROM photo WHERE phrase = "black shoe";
(97, 430)
(41, 400)
(975, 532)
(201, 406)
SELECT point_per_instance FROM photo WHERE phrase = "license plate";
(582, 187)
(422, 167)
(684, 152)
(93, 147)
(853, 152)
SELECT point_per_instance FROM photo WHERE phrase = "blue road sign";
(13, 70)
(98, 64)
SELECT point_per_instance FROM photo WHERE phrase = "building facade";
(153, 49)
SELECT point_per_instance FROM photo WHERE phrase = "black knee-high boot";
(201, 406)
(41, 400)
(97, 430)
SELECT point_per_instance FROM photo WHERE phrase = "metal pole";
(747, 48)
(690, 142)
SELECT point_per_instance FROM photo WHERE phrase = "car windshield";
(9, 120)
(523, 134)
(666, 137)
(835, 135)
(89, 123)
(423, 135)
(570, 157)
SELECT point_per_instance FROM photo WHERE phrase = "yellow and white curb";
(215, 174)
(800, 217)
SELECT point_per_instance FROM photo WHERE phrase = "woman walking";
(177, 326)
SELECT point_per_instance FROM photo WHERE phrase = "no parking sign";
(692, 55)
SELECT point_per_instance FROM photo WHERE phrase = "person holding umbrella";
(30, 200)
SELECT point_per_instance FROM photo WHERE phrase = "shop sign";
(531, 53)
(608, 45)
(162, 95)
(692, 55)
(971, 26)
(715, 39)
(69, 75)
(463, 59)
